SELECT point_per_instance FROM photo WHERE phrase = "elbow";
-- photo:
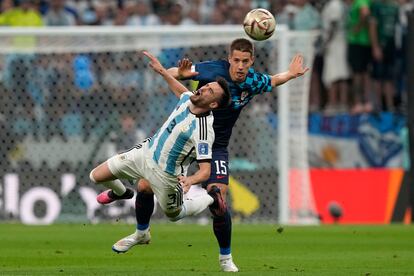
(173, 71)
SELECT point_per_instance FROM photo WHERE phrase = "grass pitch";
(186, 249)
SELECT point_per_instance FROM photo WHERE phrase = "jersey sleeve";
(184, 97)
(203, 138)
(208, 71)
(260, 83)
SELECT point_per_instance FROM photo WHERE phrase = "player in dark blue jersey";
(244, 83)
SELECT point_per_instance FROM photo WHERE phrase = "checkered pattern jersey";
(241, 94)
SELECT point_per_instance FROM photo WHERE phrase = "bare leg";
(104, 176)
(343, 95)
(389, 95)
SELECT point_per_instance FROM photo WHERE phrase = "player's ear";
(253, 59)
(214, 105)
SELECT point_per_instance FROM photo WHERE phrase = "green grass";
(186, 249)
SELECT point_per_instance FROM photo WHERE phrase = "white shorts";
(136, 164)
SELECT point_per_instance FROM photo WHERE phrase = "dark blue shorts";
(219, 167)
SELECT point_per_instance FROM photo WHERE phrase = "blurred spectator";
(39, 89)
(124, 83)
(6, 5)
(86, 87)
(58, 15)
(84, 78)
(193, 17)
(205, 10)
(89, 17)
(359, 53)
(107, 14)
(287, 15)
(336, 71)
(18, 71)
(306, 17)
(23, 15)
(161, 7)
(406, 6)
(175, 15)
(382, 27)
(62, 94)
(276, 7)
(129, 135)
(217, 17)
(264, 4)
(237, 14)
(140, 15)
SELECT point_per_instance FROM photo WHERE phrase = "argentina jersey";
(183, 138)
(241, 94)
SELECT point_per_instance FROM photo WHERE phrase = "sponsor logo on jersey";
(185, 128)
(243, 95)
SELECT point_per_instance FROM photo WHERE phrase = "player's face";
(240, 62)
(207, 96)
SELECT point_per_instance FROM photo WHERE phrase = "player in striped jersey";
(244, 84)
(163, 159)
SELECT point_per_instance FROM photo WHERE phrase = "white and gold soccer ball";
(259, 24)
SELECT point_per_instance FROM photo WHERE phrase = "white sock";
(224, 257)
(116, 186)
(194, 206)
(141, 232)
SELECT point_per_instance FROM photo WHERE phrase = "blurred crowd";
(359, 64)
(142, 12)
(359, 67)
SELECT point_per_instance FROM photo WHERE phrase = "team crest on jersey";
(243, 95)
(203, 149)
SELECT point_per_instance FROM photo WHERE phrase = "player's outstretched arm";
(174, 84)
(296, 69)
(200, 176)
(183, 71)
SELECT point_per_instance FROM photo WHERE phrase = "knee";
(91, 177)
(144, 186)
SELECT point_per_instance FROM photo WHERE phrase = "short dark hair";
(243, 45)
(225, 98)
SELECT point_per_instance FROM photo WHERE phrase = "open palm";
(296, 68)
(184, 69)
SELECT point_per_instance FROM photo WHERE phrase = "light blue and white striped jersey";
(182, 138)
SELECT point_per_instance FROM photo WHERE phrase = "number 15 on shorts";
(221, 167)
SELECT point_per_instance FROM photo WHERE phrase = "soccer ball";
(259, 24)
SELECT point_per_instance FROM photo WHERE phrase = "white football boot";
(227, 265)
(123, 245)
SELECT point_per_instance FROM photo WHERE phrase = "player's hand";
(155, 63)
(184, 69)
(185, 183)
(296, 68)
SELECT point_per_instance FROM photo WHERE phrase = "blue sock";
(225, 251)
(222, 231)
(144, 207)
